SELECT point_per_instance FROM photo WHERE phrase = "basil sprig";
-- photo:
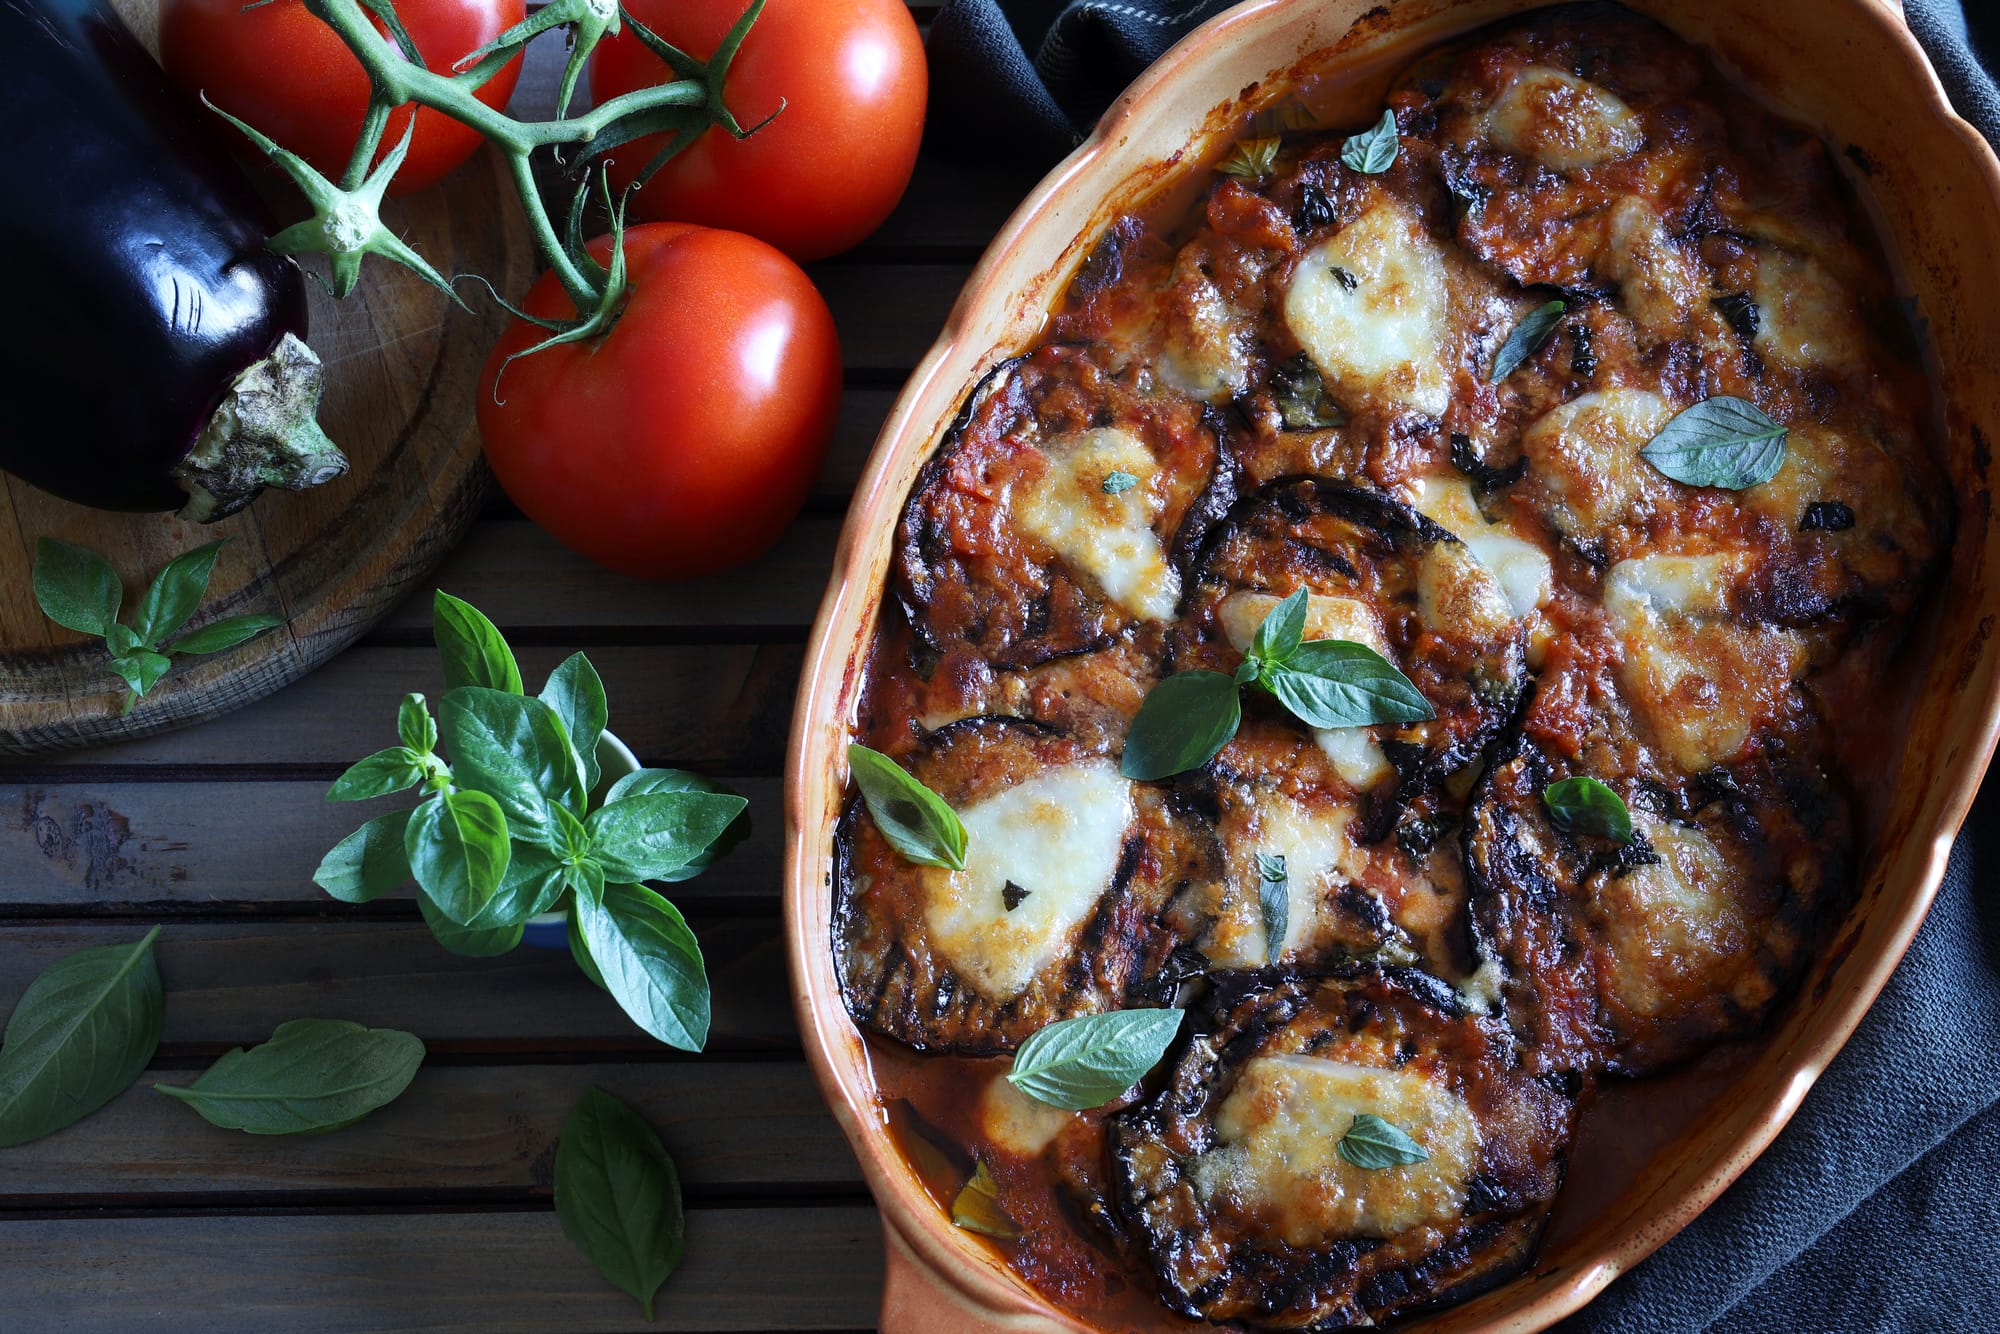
(78, 589)
(314, 1075)
(618, 1196)
(1189, 717)
(914, 819)
(1721, 441)
(1526, 338)
(1274, 903)
(1582, 805)
(1373, 1144)
(79, 1036)
(511, 826)
(1373, 151)
(1082, 1063)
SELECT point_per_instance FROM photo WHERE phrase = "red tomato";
(283, 71)
(683, 441)
(824, 174)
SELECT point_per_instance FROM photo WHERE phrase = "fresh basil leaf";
(587, 879)
(1373, 151)
(573, 839)
(472, 647)
(1083, 1063)
(638, 838)
(314, 1075)
(1248, 670)
(1374, 1144)
(533, 885)
(141, 671)
(1300, 393)
(396, 769)
(1339, 683)
(458, 849)
(414, 724)
(1184, 721)
(1526, 338)
(1720, 441)
(121, 640)
(1116, 483)
(649, 961)
(914, 819)
(175, 593)
(1281, 632)
(514, 750)
(976, 1208)
(618, 1196)
(79, 1036)
(576, 693)
(579, 951)
(1251, 158)
(1582, 805)
(1274, 903)
(369, 862)
(641, 782)
(225, 634)
(76, 587)
(472, 942)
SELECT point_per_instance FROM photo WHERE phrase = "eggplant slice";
(1233, 1181)
(1057, 914)
(1059, 512)
(1381, 574)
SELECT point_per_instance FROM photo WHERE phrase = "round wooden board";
(402, 366)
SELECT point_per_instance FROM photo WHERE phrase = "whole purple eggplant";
(153, 355)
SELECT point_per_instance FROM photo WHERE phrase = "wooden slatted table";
(435, 1213)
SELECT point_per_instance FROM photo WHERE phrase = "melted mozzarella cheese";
(1202, 353)
(1704, 681)
(1355, 756)
(1659, 281)
(1018, 1123)
(1318, 860)
(1108, 536)
(1526, 576)
(1670, 921)
(1058, 836)
(1276, 1153)
(1583, 457)
(1563, 122)
(1804, 317)
(1458, 595)
(1369, 307)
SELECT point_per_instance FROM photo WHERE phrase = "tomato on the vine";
(682, 441)
(829, 169)
(289, 75)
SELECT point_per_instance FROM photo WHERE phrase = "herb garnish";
(1720, 441)
(1373, 1144)
(1373, 151)
(1527, 338)
(1582, 805)
(314, 1075)
(1115, 482)
(977, 1206)
(1274, 902)
(914, 819)
(1082, 1063)
(1190, 716)
(1300, 392)
(79, 1036)
(1013, 896)
(618, 1196)
(1831, 516)
(1251, 158)
(1314, 210)
(77, 588)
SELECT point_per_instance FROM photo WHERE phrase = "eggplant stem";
(263, 433)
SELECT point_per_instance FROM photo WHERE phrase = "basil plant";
(514, 821)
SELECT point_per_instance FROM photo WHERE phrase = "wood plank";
(129, 846)
(723, 708)
(888, 314)
(479, 1273)
(457, 1130)
(231, 985)
(952, 203)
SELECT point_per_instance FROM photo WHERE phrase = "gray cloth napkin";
(1875, 1209)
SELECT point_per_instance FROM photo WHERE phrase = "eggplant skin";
(142, 287)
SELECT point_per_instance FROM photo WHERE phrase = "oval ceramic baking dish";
(1850, 70)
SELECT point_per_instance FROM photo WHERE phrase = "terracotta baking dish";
(1643, 1168)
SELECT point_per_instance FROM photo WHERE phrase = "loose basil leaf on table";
(369, 862)
(472, 942)
(1373, 151)
(656, 834)
(474, 651)
(1582, 805)
(576, 693)
(1083, 1063)
(226, 633)
(1527, 338)
(458, 849)
(914, 819)
(79, 1036)
(618, 1196)
(1274, 903)
(649, 961)
(1339, 683)
(396, 769)
(1721, 441)
(1184, 721)
(175, 593)
(1374, 1144)
(76, 587)
(514, 749)
(314, 1075)
(642, 782)
(141, 670)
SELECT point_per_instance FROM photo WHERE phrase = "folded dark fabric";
(1875, 1208)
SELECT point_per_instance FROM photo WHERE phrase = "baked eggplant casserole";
(1376, 670)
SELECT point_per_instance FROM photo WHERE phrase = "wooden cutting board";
(402, 366)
